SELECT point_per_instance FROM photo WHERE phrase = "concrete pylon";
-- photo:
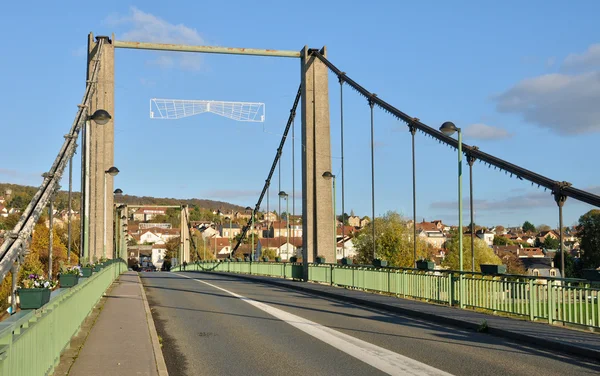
(317, 210)
(185, 235)
(101, 150)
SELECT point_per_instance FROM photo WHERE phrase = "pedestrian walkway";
(123, 340)
(543, 335)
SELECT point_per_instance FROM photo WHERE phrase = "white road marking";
(385, 360)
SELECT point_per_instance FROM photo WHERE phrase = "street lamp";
(448, 128)
(284, 195)
(252, 219)
(101, 117)
(113, 171)
(328, 175)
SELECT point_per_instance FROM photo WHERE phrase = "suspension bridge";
(242, 315)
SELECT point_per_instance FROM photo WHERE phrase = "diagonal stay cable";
(14, 242)
(520, 172)
(275, 161)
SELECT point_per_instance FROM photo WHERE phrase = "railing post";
(531, 301)
(550, 302)
(331, 274)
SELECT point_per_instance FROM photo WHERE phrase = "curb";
(161, 366)
(544, 343)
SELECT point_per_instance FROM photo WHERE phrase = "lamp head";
(328, 175)
(118, 191)
(283, 194)
(448, 128)
(101, 117)
(113, 171)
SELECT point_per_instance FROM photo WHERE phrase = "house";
(158, 225)
(278, 229)
(530, 253)
(486, 235)
(354, 221)
(364, 222)
(345, 247)
(503, 249)
(158, 255)
(432, 235)
(270, 216)
(3, 211)
(155, 235)
(547, 234)
(281, 246)
(439, 225)
(221, 247)
(144, 214)
(542, 267)
(229, 230)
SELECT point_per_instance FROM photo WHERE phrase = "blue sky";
(521, 79)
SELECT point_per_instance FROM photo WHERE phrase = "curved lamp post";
(284, 196)
(448, 128)
(328, 175)
(113, 171)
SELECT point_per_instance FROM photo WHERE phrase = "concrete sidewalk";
(123, 340)
(556, 338)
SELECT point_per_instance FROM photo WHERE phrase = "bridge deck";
(219, 324)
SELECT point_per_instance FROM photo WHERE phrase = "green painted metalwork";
(32, 341)
(535, 298)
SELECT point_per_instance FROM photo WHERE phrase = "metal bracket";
(559, 197)
(470, 157)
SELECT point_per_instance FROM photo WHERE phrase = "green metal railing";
(31, 341)
(570, 301)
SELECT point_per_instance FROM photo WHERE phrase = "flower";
(35, 281)
(76, 269)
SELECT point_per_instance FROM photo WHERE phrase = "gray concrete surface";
(207, 331)
(119, 342)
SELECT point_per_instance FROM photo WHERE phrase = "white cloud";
(566, 103)
(146, 27)
(590, 59)
(486, 132)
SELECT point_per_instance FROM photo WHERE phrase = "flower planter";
(265, 259)
(277, 259)
(98, 268)
(492, 269)
(320, 260)
(425, 265)
(591, 274)
(293, 259)
(68, 280)
(346, 261)
(87, 272)
(33, 298)
(379, 263)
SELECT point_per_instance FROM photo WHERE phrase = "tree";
(269, 252)
(572, 269)
(502, 240)
(483, 254)
(40, 246)
(589, 231)
(393, 240)
(551, 243)
(542, 228)
(528, 227)
(514, 265)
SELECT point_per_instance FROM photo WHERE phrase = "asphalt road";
(213, 324)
